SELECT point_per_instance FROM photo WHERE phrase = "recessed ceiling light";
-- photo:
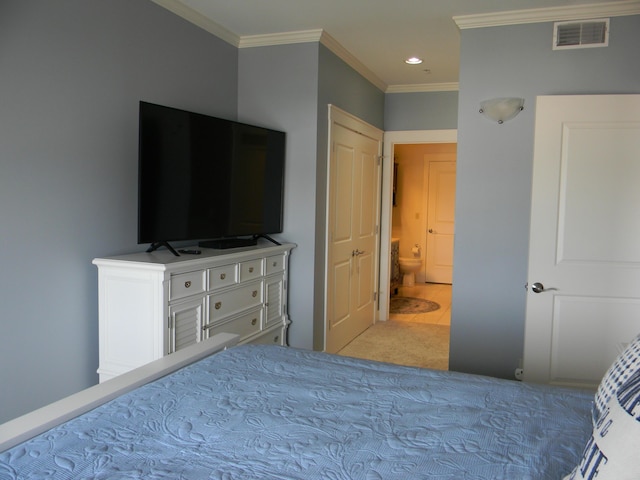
(413, 61)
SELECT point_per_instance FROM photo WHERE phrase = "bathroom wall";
(409, 215)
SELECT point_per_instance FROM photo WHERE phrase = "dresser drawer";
(186, 284)
(223, 276)
(275, 264)
(273, 337)
(234, 301)
(244, 325)
(250, 269)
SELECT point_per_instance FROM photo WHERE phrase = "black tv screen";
(202, 177)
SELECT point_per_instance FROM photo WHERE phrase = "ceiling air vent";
(586, 34)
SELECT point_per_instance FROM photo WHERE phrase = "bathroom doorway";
(422, 216)
(393, 217)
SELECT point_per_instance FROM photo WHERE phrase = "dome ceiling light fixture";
(501, 109)
(413, 61)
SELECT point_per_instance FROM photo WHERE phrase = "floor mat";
(411, 305)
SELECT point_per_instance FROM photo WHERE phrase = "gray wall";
(340, 85)
(494, 174)
(278, 88)
(73, 72)
(421, 111)
(345, 88)
(289, 87)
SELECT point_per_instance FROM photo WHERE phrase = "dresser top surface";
(164, 259)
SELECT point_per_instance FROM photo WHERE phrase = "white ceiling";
(375, 36)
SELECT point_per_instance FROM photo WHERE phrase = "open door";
(583, 303)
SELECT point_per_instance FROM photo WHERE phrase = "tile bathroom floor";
(436, 292)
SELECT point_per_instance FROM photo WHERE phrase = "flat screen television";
(206, 178)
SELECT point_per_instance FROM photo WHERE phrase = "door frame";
(390, 139)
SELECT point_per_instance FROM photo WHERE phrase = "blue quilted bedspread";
(266, 412)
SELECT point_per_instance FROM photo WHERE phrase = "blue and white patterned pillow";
(613, 451)
(627, 363)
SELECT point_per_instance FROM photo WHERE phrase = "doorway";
(392, 140)
(423, 209)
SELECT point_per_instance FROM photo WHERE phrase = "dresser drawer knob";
(254, 293)
(275, 264)
(187, 284)
(223, 276)
(276, 339)
(250, 269)
(218, 305)
(254, 321)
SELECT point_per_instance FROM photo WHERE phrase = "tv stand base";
(267, 237)
(222, 243)
(156, 245)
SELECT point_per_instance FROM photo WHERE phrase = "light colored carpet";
(403, 343)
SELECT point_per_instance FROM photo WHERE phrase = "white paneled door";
(583, 299)
(440, 222)
(353, 219)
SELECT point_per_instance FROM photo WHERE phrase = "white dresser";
(153, 304)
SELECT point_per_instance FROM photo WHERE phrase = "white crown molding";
(551, 14)
(312, 36)
(200, 20)
(284, 38)
(424, 87)
(346, 56)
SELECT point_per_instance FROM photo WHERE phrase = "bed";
(270, 412)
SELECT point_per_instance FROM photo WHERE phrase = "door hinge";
(375, 296)
(380, 160)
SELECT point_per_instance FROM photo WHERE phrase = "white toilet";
(409, 266)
